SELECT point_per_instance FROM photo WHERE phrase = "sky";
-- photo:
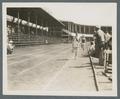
(104, 14)
(83, 13)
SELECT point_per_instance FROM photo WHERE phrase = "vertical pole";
(47, 28)
(45, 31)
(107, 29)
(68, 30)
(36, 25)
(89, 30)
(53, 32)
(28, 25)
(84, 29)
(76, 28)
(80, 28)
(18, 27)
(94, 28)
(73, 27)
(50, 31)
(70, 27)
(36, 37)
(11, 32)
(42, 30)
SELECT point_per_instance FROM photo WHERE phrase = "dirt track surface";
(49, 67)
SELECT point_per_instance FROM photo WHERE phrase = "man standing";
(83, 41)
(75, 45)
(99, 44)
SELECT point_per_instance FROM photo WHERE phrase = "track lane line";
(21, 73)
(16, 62)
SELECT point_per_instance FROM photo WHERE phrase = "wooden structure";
(72, 28)
(79, 29)
(107, 29)
(27, 26)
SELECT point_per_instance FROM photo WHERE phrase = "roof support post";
(76, 28)
(36, 25)
(50, 32)
(72, 27)
(28, 25)
(53, 31)
(68, 30)
(106, 28)
(89, 29)
(89, 32)
(45, 31)
(11, 32)
(18, 26)
(94, 29)
(42, 30)
(79, 28)
(47, 24)
(84, 29)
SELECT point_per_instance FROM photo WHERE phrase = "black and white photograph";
(64, 49)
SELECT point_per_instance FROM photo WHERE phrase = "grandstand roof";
(42, 15)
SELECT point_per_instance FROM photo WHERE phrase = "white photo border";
(59, 93)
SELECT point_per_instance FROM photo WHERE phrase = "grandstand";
(27, 26)
(30, 26)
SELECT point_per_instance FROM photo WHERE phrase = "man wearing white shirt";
(100, 43)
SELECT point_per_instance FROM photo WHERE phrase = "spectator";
(10, 47)
(107, 39)
(99, 45)
(107, 36)
(91, 50)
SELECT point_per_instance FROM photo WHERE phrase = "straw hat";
(11, 42)
(98, 27)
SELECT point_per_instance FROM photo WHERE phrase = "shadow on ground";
(78, 66)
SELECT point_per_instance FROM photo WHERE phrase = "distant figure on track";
(83, 41)
(46, 41)
(75, 45)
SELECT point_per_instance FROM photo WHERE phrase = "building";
(88, 31)
(27, 26)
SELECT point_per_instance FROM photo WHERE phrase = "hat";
(10, 41)
(98, 27)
